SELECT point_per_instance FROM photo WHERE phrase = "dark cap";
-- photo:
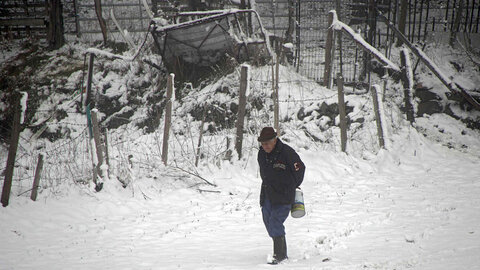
(267, 134)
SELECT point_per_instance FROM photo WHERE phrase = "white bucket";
(298, 207)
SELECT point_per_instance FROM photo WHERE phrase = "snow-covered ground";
(415, 206)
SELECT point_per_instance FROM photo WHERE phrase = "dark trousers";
(274, 216)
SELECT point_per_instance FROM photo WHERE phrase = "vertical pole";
(276, 111)
(355, 66)
(471, 16)
(55, 27)
(466, 16)
(372, 22)
(342, 112)
(407, 74)
(89, 79)
(98, 143)
(77, 23)
(478, 19)
(456, 26)
(402, 20)
(12, 153)
(197, 157)
(414, 21)
(101, 20)
(242, 102)
(297, 52)
(446, 17)
(36, 180)
(105, 143)
(420, 21)
(329, 52)
(168, 117)
(376, 107)
(454, 9)
(426, 22)
(90, 138)
(339, 35)
(409, 20)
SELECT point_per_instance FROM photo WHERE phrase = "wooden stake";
(98, 143)
(342, 112)
(456, 23)
(89, 79)
(101, 20)
(105, 143)
(376, 107)
(36, 180)
(452, 86)
(12, 152)
(402, 20)
(242, 102)
(197, 157)
(406, 74)
(168, 118)
(276, 110)
(329, 52)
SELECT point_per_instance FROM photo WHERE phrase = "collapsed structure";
(204, 38)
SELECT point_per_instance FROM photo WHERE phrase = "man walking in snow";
(282, 172)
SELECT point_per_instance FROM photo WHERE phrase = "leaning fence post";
(329, 52)
(12, 152)
(376, 107)
(407, 76)
(242, 102)
(342, 113)
(168, 117)
(36, 180)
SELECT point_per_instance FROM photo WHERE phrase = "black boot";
(279, 249)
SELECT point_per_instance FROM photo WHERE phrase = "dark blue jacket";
(279, 176)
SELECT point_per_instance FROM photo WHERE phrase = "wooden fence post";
(204, 116)
(329, 52)
(98, 142)
(89, 79)
(168, 117)
(407, 84)
(101, 20)
(55, 27)
(276, 107)
(376, 108)
(402, 20)
(12, 152)
(451, 85)
(456, 23)
(105, 143)
(242, 102)
(36, 180)
(342, 113)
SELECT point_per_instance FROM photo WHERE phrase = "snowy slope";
(416, 206)
(412, 205)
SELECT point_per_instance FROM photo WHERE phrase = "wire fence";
(134, 155)
(425, 20)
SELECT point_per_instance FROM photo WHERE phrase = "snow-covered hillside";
(412, 205)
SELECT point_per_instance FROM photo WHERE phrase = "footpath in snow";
(416, 206)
